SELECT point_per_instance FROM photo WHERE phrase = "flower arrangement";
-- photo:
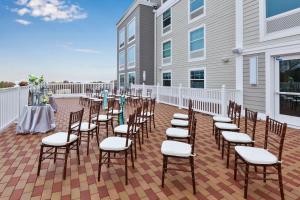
(38, 90)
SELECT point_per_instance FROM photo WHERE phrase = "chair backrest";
(190, 104)
(139, 93)
(274, 136)
(145, 108)
(230, 109)
(149, 92)
(94, 111)
(152, 106)
(193, 134)
(237, 114)
(191, 120)
(250, 122)
(130, 128)
(110, 107)
(75, 122)
(138, 115)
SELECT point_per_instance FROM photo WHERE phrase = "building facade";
(135, 44)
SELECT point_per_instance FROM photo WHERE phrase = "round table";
(36, 119)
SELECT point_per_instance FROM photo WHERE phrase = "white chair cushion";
(236, 137)
(226, 126)
(135, 98)
(58, 139)
(174, 148)
(116, 112)
(177, 132)
(180, 116)
(102, 118)
(84, 126)
(114, 144)
(255, 155)
(219, 118)
(178, 122)
(148, 114)
(121, 129)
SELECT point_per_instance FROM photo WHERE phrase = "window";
(131, 78)
(166, 23)
(122, 38)
(167, 76)
(197, 79)
(196, 43)
(121, 60)
(166, 52)
(131, 31)
(276, 7)
(196, 9)
(131, 57)
(122, 80)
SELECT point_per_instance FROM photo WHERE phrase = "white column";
(223, 100)
(157, 92)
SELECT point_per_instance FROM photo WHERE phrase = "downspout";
(155, 46)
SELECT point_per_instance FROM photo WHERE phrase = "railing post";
(223, 100)
(143, 88)
(157, 92)
(180, 100)
(82, 89)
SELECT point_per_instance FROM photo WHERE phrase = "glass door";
(287, 89)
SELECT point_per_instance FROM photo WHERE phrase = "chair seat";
(135, 98)
(116, 112)
(226, 126)
(177, 132)
(174, 148)
(123, 129)
(178, 122)
(85, 126)
(102, 118)
(219, 118)
(114, 144)
(236, 137)
(254, 155)
(59, 139)
(181, 116)
(148, 114)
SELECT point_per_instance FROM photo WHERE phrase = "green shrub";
(5, 84)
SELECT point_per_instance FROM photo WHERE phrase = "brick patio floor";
(19, 160)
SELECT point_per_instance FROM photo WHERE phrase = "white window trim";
(129, 42)
(122, 29)
(189, 44)
(122, 67)
(162, 53)
(199, 17)
(279, 34)
(131, 67)
(128, 77)
(162, 77)
(120, 80)
(162, 22)
(197, 69)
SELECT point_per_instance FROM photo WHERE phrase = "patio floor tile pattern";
(19, 160)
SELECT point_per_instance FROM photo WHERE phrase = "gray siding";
(220, 40)
(254, 95)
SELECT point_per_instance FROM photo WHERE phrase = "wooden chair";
(151, 114)
(235, 126)
(62, 141)
(106, 118)
(117, 145)
(88, 129)
(268, 156)
(182, 123)
(179, 150)
(184, 116)
(225, 119)
(247, 138)
(142, 119)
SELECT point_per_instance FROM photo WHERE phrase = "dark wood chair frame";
(74, 121)
(109, 111)
(143, 119)
(151, 115)
(277, 129)
(190, 158)
(190, 113)
(250, 128)
(230, 111)
(106, 158)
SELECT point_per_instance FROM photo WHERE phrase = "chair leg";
(228, 154)
(106, 129)
(235, 165)
(77, 150)
(150, 123)
(139, 138)
(40, 159)
(112, 126)
(100, 165)
(213, 126)
(223, 146)
(126, 171)
(219, 139)
(265, 174)
(193, 174)
(55, 154)
(66, 162)
(108, 159)
(153, 121)
(142, 133)
(280, 182)
(97, 136)
(135, 154)
(147, 128)
(132, 159)
(163, 172)
(246, 182)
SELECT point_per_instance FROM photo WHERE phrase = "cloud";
(23, 22)
(69, 47)
(92, 51)
(51, 10)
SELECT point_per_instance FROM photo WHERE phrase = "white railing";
(77, 89)
(12, 101)
(208, 101)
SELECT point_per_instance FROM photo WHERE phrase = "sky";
(71, 40)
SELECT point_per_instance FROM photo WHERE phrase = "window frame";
(122, 67)
(197, 69)
(122, 74)
(128, 36)
(128, 79)
(189, 44)
(162, 77)
(162, 22)
(162, 52)
(122, 29)
(128, 49)
(199, 17)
